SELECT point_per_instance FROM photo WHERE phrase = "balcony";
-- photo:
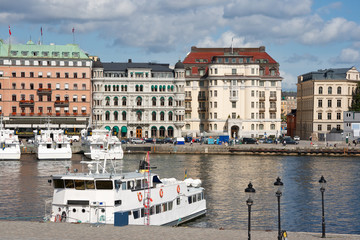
(262, 109)
(234, 98)
(188, 98)
(188, 109)
(262, 98)
(26, 103)
(44, 91)
(272, 98)
(272, 109)
(201, 109)
(201, 98)
(59, 103)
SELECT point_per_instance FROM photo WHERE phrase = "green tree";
(355, 103)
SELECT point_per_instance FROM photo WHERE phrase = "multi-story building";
(322, 97)
(44, 81)
(288, 102)
(232, 91)
(139, 99)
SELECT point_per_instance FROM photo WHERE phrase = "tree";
(355, 103)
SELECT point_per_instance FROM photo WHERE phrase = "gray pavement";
(20, 230)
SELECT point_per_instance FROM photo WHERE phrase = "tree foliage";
(355, 103)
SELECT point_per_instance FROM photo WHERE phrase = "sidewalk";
(10, 230)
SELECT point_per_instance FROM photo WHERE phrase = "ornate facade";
(139, 99)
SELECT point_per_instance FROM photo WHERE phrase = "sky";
(302, 36)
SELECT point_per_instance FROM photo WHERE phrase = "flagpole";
(73, 32)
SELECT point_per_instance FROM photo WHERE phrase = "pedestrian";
(310, 138)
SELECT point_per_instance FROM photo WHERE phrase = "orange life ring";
(161, 193)
(178, 189)
(139, 195)
(57, 218)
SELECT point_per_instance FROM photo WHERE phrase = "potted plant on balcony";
(67, 113)
(83, 113)
(49, 113)
(22, 114)
(57, 114)
(31, 114)
(14, 113)
(40, 113)
(75, 113)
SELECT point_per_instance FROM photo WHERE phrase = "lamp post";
(322, 182)
(250, 191)
(279, 185)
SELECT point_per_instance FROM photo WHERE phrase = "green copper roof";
(32, 50)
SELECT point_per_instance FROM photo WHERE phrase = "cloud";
(289, 81)
(347, 56)
(295, 58)
(328, 8)
(228, 38)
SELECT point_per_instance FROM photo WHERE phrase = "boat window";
(202, 195)
(142, 212)
(90, 184)
(199, 196)
(177, 201)
(158, 208)
(194, 198)
(59, 146)
(130, 184)
(69, 183)
(104, 185)
(59, 183)
(190, 200)
(138, 184)
(164, 207)
(117, 202)
(152, 210)
(79, 185)
(123, 185)
(48, 145)
(170, 205)
(136, 214)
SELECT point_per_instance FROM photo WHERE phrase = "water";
(24, 188)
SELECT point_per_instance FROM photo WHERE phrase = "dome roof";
(179, 65)
(97, 64)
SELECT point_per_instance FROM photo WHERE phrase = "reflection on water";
(24, 188)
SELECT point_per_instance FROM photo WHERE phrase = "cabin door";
(139, 132)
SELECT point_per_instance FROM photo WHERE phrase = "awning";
(66, 108)
(83, 108)
(75, 108)
(123, 129)
(83, 97)
(75, 96)
(57, 109)
(108, 128)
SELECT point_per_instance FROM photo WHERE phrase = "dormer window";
(75, 54)
(14, 53)
(65, 54)
(55, 54)
(35, 53)
(45, 54)
(24, 53)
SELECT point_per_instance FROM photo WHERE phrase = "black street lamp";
(250, 191)
(279, 185)
(322, 182)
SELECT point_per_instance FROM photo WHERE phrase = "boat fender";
(139, 195)
(178, 189)
(161, 193)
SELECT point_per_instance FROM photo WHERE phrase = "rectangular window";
(338, 103)
(215, 104)
(320, 116)
(329, 103)
(329, 116)
(57, 75)
(83, 75)
(319, 103)
(215, 115)
(75, 75)
(329, 127)
(233, 104)
(66, 86)
(215, 93)
(58, 86)
(319, 127)
(233, 115)
(338, 116)
(233, 71)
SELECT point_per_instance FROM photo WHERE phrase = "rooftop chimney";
(129, 61)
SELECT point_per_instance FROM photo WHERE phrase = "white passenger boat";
(95, 141)
(139, 198)
(9, 145)
(52, 144)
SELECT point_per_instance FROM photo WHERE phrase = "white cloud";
(226, 40)
(348, 56)
(289, 81)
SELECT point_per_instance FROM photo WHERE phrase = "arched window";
(154, 101)
(170, 116)
(160, 88)
(116, 116)
(123, 115)
(320, 90)
(107, 115)
(114, 88)
(162, 131)
(329, 90)
(170, 131)
(137, 88)
(141, 88)
(162, 101)
(116, 101)
(153, 114)
(153, 132)
(215, 126)
(252, 126)
(138, 101)
(170, 101)
(339, 90)
(138, 115)
(124, 101)
(162, 116)
(261, 127)
(107, 101)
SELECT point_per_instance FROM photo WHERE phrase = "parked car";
(269, 140)
(249, 141)
(297, 138)
(137, 141)
(160, 141)
(169, 140)
(149, 140)
(289, 140)
(124, 141)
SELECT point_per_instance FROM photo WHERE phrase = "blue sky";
(302, 36)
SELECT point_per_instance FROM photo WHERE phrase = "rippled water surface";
(24, 188)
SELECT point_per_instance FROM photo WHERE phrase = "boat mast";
(147, 191)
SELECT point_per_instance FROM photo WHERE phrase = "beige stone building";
(232, 91)
(322, 97)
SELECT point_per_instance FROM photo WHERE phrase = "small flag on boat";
(185, 174)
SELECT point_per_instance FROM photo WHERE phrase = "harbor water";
(24, 188)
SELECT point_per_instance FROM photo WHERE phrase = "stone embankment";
(303, 148)
(22, 230)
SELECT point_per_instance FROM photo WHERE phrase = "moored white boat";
(52, 144)
(139, 198)
(9, 145)
(95, 141)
